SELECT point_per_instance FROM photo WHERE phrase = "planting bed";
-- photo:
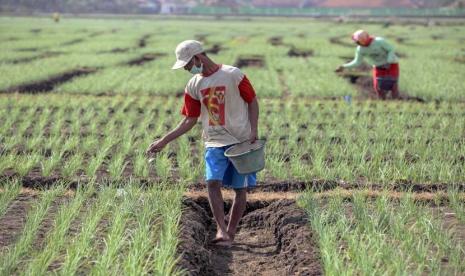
(90, 230)
(250, 61)
(273, 239)
(295, 52)
(143, 59)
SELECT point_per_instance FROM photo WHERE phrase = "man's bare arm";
(253, 118)
(184, 126)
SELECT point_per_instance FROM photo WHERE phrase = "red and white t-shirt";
(221, 100)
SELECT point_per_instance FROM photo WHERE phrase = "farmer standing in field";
(225, 101)
(381, 55)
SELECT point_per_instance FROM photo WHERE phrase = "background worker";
(380, 54)
(225, 101)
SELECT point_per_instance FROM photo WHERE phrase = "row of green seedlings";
(82, 141)
(340, 146)
(120, 230)
(386, 236)
(350, 147)
(325, 129)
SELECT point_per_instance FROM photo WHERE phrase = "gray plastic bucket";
(247, 157)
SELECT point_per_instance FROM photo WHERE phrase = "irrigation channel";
(273, 239)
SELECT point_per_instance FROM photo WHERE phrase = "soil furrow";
(33, 58)
(12, 223)
(49, 84)
(274, 238)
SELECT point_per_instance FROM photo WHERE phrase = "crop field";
(360, 187)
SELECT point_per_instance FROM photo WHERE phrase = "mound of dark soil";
(276, 40)
(295, 52)
(338, 41)
(95, 34)
(31, 49)
(143, 40)
(144, 58)
(250, 61)
(115, 51)
(29, 59)
(437, 37)
(72, 42)
(404, 41)
(50, 83)
(274, 238)
(215, 49)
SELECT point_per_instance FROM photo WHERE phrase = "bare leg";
(395, 91)
(217, 206)
(381, 94)
(237, 210)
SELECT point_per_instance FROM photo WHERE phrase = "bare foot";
(221, 237)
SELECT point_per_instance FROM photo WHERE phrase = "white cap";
(185, 51)
(360, 35)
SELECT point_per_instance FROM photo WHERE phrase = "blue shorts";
(219, 167)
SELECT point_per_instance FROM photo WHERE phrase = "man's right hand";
(339, 69)
(156, 146)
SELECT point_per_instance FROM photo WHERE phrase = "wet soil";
(338, 40)
(144, 59)
(49, 84)
(29, 59)
(99, 33)
(273, 239)
(295, 52)
(35, 180)
(250, 61)
(48, 222)
(13, 221)
(143, 41)
(72, 42)
(437, 37)
(214, 49)
(115, 51)
(404, 41)
(276, 40)
(31, 49)
(328, 185)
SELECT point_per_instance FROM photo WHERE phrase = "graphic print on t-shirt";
(213, 99)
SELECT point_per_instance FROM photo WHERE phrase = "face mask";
(196, 70)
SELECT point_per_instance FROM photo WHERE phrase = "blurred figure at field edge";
(382, 57)
(225, 101)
